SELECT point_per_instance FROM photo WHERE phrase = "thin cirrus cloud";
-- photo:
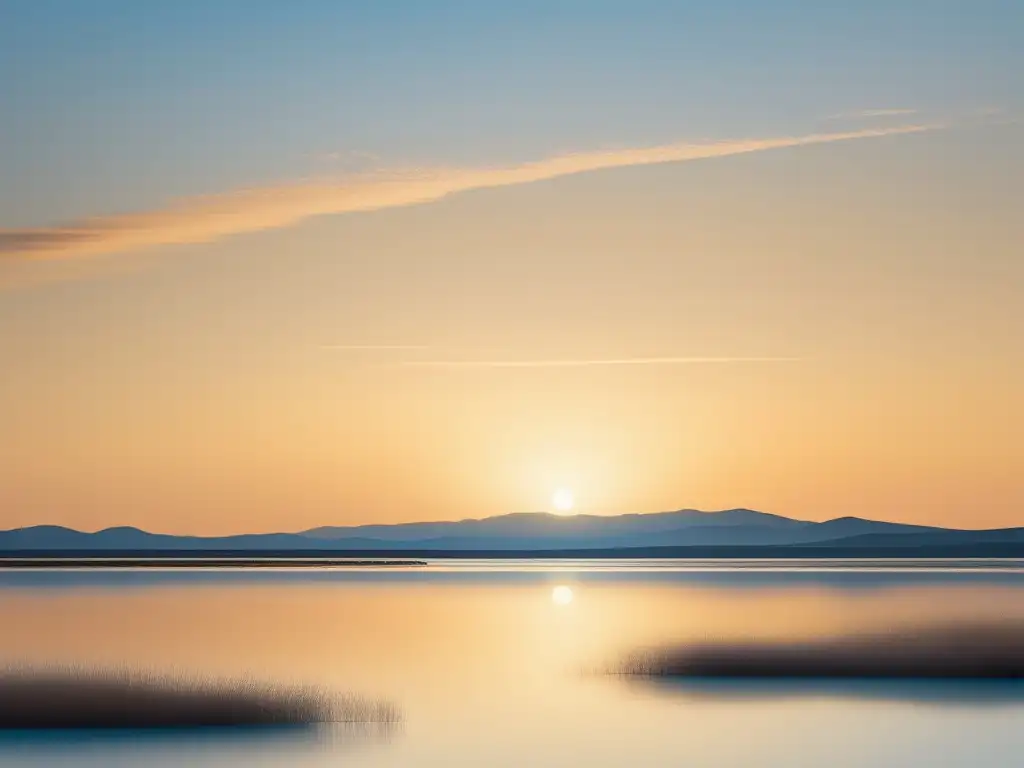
(869, 113)
(202, 219)
(588, 362)
(374, 347)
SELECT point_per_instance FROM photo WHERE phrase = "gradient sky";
(266, 267)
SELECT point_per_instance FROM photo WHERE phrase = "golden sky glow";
(851, 354)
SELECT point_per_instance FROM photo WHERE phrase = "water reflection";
(961, 693)
(485, 662)
(192, 746)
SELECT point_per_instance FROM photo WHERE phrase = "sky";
(269, 266)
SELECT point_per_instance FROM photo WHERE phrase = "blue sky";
(109, 96)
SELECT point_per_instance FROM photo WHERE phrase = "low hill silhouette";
(680, 533)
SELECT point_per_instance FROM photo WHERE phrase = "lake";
(493, 663)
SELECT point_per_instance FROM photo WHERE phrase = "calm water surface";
(489, 661)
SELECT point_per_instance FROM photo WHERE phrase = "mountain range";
(738, 530)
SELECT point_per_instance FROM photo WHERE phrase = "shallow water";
(490, 661)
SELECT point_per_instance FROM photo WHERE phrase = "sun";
(561, 595)
(563, 501)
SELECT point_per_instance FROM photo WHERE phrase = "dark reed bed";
(77, 698)
(957, 652)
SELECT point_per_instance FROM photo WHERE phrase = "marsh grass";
(957, 652)
(72, 697)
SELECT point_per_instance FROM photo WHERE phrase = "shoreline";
(199, 562)
(418, 556)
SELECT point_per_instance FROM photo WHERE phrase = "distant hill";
(55, 537)
(685, 527)
(540, 524)
(733, 529)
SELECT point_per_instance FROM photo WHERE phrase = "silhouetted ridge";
(727, 533)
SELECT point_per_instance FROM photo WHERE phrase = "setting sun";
(561, 595)
(563, 501)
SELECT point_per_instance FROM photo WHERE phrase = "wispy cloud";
(374, 347)
(352, 155)
(590, 362)
(869, 113)
(201, 219)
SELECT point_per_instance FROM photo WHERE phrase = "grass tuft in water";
(966, 652)
(71, 697)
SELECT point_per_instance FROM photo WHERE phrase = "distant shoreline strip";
(199, 562)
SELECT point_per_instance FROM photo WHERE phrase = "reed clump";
(71, 697)
(979, 652)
